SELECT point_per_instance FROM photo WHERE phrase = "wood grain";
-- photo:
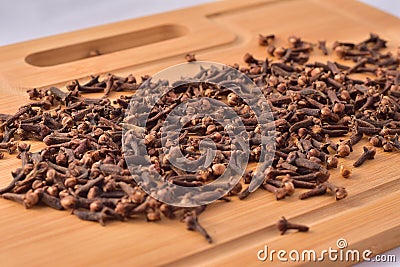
(222, 32)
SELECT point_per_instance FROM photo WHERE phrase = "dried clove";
(345, 172)
(284, 225)
(368, 153)
(317, 191)
(192, 224)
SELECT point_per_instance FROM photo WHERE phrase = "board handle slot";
(98, 47)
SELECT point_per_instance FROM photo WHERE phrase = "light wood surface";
(222, 32)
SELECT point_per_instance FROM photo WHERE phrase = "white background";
(23, 20)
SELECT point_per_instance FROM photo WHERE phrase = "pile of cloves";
(83, 167)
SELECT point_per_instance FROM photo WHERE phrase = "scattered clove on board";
(83, 168)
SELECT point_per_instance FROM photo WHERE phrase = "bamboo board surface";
(369, 218)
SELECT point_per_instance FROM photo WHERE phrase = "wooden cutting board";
(368, 219)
